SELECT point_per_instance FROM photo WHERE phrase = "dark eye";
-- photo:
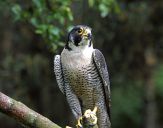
(79, 31)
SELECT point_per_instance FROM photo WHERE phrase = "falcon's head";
(79, 36)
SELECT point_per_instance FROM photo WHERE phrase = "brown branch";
(23, 114)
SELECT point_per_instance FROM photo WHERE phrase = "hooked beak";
(85, 34)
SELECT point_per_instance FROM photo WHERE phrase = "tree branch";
(23, 114)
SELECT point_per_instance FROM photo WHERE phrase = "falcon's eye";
(80, 31)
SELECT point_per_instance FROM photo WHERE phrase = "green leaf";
(37, 3)
(53, 30)
(33, 21)
(38, 31)
(104, 10)
(158, 80)
(70, 16)
(69, 28)
(91, 3)
(16, 9)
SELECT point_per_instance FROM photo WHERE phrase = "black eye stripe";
(77, 40)
(77, 33)
(76, 29)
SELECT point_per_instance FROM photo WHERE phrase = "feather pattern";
(58, 73)
(87, 81)
(102, 69)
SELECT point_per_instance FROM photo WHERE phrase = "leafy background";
(128, 32)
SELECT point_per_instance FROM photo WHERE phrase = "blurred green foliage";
(158, 77)
(53, 18)
(105, 6)
(127, 103)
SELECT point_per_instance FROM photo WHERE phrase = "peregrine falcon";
(82, 76)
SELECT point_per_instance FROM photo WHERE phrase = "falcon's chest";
(78, 67)
(80, 74)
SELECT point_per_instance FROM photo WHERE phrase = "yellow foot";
(79, 125)
(91, 116)
(68, 127)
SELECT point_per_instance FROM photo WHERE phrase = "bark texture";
(23, 114)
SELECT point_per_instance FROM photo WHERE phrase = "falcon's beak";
(85, 34)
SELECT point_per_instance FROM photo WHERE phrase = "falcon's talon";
(95, 109)
(68, 127)
(79, 125)
(91, 116)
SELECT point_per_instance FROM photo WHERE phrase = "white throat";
(84, 49)
(77, 56)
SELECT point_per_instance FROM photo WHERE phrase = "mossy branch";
(23, 114)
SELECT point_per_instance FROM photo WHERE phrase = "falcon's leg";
(102, 115)
(74, 104)
(103, 120)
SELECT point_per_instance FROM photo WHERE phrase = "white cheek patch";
(71, 38)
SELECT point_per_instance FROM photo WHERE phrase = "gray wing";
(102, 69)
(58, 73)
